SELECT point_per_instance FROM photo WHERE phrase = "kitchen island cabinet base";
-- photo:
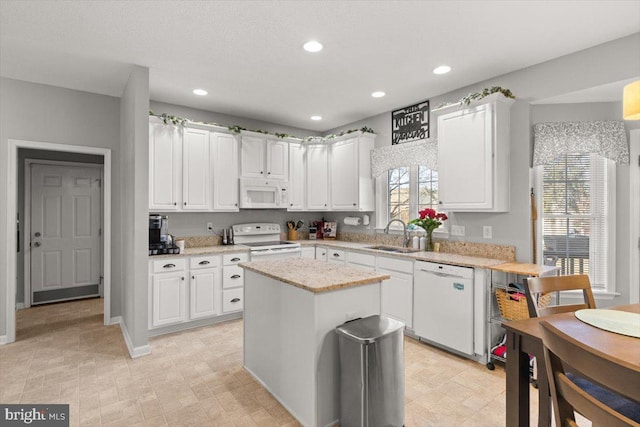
(290, 344)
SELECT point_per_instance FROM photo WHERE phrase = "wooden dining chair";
(535, 287)
(603, 390)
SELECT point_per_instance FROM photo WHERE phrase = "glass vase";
(429, 244)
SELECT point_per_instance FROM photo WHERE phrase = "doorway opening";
(16, 236)
(62, 214)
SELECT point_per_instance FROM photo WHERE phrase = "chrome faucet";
(405, 243)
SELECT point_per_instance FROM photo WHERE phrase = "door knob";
(37, 244)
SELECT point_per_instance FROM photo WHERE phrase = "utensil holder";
(292, 235)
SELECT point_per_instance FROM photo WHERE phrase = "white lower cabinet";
(309, 252)
(168, 292)
(233, 282)
(336, 255)
(321, 253)
(396, 299)
(203, 293)
(186, 289)
(362, 261)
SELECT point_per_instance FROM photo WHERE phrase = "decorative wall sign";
(410, 123)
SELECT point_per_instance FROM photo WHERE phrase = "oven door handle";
(262, 252)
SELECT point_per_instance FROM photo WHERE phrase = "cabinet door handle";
(268, 173)
(185, 203)
(236, 259)
(175, 204)
(203, 262)
(236, 276)
(193, 277)
(261, 172)
(168, 266)
(182, 278)
(235, 300)
(236, 204)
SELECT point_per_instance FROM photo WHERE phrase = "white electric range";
(264, 241)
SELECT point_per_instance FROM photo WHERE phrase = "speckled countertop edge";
(318, 276)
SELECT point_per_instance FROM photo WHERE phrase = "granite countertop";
(438, 257)
(313, 275)
(205, 250)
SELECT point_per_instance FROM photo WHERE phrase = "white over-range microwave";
(263, 194)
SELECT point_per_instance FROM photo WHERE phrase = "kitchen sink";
(395, 249)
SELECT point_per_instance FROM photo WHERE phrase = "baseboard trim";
(19, 305)
(3, 339)
(134, 352)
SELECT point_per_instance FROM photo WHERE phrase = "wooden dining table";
(524, 337)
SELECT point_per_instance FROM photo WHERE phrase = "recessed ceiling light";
(312, 46)
(378, 94)
(316, 118)
(200, 92)
(443, 69)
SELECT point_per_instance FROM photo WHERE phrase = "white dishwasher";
(443, 305)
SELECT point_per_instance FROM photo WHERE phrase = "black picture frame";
(410, 123)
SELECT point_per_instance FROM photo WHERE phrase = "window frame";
(609, 290)
(382, 203)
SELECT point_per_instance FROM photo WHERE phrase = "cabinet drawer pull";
(203, 262)
(168, 266)
(235, 300)
(236, 259)
(236, 276)
(336, 255)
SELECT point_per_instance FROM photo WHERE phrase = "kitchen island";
(291, 309)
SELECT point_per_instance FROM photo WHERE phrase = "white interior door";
(65, 232)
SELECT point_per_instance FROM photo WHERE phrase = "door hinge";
(99, 231)
(99, 181)
(101, 279)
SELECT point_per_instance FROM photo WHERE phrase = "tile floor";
(63, 354)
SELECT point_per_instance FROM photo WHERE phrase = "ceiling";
(249, 56)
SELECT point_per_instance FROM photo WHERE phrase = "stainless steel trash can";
(371, 372)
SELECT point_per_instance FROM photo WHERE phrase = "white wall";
(35, 112)
(134, 157)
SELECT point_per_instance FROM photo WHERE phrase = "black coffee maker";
(160, 241)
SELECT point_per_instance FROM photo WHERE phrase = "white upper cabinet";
(352, 188)
(165, 166)
(473, 155)
(296, 177)
(277, 159)
(224, 160)
(196, 176)
(264, 158)
(317, 186)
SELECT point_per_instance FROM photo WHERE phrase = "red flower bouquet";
(429, 220)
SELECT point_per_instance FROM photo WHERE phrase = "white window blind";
(576, 216)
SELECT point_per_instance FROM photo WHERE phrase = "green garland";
(181, 121)
(466, 100)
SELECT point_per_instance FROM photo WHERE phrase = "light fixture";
(316, 118)
(378, 94)
(312, 46)
(631, 101)
(200, 92)
(443, 69)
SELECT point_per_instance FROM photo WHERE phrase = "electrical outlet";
(210, 226)
(457, 230)
(487, 231)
